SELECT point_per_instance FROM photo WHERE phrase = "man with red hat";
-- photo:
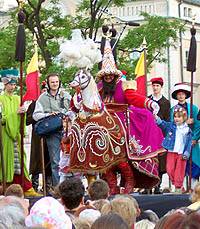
(164, 114)
(181, 92)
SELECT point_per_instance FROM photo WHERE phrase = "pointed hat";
(108, 63)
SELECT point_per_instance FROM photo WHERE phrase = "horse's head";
(81, 79)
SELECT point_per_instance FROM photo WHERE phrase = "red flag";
(140, 78)
(32, 79)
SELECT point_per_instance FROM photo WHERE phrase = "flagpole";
(144, 45)
(191, 66)
(2, 158)
(20, 56)
(41, 139)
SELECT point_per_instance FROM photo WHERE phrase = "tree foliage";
(160, 33)
(90, 13)
(51, 27)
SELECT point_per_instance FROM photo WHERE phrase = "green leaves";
(160, 33)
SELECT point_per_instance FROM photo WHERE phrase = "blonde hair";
(123, 207)
(144, 224)
(195, 196)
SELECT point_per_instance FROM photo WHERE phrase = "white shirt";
(181, 132)
(156, 98)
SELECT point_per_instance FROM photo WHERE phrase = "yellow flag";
(140, 68)
(33, 65)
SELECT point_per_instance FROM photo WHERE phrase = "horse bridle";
(79, 79)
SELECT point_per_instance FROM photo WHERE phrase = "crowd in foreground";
(68, 209)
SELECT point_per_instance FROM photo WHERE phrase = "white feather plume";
(79, 52)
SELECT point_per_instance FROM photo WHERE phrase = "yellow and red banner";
(140, 75)
(32, 79)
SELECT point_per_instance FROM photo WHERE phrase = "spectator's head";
(22, 202)
(144, 224)
(111, 221)
(191, 221)
(195, 196)
(71, 192)
(82, 223)
(150, 215)
(12, 215)
(98, 189)
(98, 204)
(160, 224)
(122, 206)
(90, 214)
(174, 221)
(15, 190)
(48, 212)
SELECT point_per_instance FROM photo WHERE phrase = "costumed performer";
(143, 134)
(178, 143)
(11, 137)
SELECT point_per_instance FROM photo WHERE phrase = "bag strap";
(62, 103)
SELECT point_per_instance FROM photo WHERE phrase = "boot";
(157, 190)
(48, 185)
(35, 181)
(31, 193)
(146, 191)
(127, 174)
(111, 179)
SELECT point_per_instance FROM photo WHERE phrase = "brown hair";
(14, 190)
(98, 189)
(195, 196)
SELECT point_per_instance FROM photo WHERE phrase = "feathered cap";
(181, 87)
(9, 76)
(108, 64)
(79, 52)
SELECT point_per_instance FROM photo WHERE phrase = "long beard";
(109, 88)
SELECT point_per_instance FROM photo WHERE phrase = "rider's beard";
(109, 88)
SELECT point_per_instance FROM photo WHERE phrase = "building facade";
(175, 71)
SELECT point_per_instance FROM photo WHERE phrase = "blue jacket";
(169, 140)
(195, 133)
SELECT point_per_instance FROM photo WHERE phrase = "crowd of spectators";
(71, 209)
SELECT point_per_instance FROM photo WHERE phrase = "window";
(185, 11)
(186, 57)
(189, 12)
(132, 10)
(149, 9)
